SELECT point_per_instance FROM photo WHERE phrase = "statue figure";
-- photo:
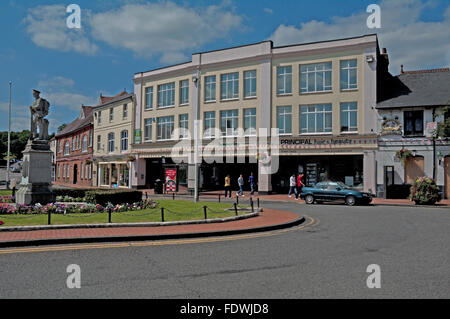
(39, 110)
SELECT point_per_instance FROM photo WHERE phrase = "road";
(16, 176)
(325, 258)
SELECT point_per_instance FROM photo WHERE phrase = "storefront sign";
(325, 142)
(171, 180)
(137, 136)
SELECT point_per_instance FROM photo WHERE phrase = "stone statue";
(39, 110)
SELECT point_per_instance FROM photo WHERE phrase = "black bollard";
(219, 198)
(109, 215)
(258, 201)
(49, 217)
(251, 203)
(235, 209)
(162, 214)
(204, 210)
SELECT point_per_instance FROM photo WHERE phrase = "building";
(53, 149)
(74, 151)
(409, 110)
(113, 132)
(320, 96)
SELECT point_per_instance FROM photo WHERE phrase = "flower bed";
(7, 199)
(424, 191)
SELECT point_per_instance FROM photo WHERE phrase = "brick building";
(74, 151)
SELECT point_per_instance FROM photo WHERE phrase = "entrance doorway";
(414, 168)
(75, 173)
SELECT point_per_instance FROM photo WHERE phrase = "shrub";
(74, 193)
(103, 197)
(424, 191)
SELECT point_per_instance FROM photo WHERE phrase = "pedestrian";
(241, 186)
(252, 182)
(292, 184)
(227, 186)
(299, 185)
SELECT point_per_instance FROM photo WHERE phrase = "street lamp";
(9, 136)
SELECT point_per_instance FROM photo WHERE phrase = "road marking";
(312, 222)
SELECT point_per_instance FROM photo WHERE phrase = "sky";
(118, 38)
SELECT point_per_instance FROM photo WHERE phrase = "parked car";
(333, 191)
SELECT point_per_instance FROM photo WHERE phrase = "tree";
(443, 128)
(61, 127)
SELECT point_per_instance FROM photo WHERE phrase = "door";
(414, 168)
(75, 173)
(447, 177)
(388, 180)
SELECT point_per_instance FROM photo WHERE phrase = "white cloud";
(55, 82)
(268, 11)
(409, 41)
(163, 28)
(47, 27)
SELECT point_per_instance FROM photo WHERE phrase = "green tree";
(443, 129)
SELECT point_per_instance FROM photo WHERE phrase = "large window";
(85, 143)
(250, 84)
(111, 142)
(284, 119)
(210, 88)
(184, 125)
(67, 148)
(165, 128)
(250, 122)
(315, 118)
(148, 130)
(315, 77)
(229, 86)
(149, 98)
(229, 122)
(166, 95)
(349, 117)
(349, 74)
(184, 92)
(413, 123)
(284, 80)
(210, 124)
(124, 141)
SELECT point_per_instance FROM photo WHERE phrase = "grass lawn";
(5, 192)
(174, 210)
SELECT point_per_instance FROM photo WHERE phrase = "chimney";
(402, 71)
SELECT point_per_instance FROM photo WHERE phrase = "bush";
(103, 197)
(424, 191)
(74, 193)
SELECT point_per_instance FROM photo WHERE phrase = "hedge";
(71, 192)
(114, 197)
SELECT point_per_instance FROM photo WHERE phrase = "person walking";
(227, 186)
(300, 185)
(292, 184)
(252, 182)
(241, 186)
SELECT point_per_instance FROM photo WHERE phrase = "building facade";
(113, 133)
(408, 113)
(74, 151)
(320, 97)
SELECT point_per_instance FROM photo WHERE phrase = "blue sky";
(119, 38)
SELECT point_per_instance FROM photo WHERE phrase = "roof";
(416, 88)
(86, 118)
(106, 99)
(116, 98)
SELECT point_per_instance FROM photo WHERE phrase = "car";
(333, 191)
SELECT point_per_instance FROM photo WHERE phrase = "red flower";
(1, 223)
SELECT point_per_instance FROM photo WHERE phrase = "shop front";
(113, 174)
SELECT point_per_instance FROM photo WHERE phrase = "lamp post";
(9, 136)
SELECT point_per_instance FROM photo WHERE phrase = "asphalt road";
(326, 259)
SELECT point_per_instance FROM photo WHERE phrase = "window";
(165, 128)
(250, 122)
(90, 138)
(184, 126)
(86, 171)
(67, 148)
(148, 130)
(60, 146)
(284, 119)
(229, 84)
(284, 80)
(149, 98)
(413, 123)
(250, 84)
(111, 142)
(64, 171)
(99, 119)
(315, 77)
(349, 117)
(74, 143)
(58, 170)
(210, 124)
(85, 143)
(89, 171)
(210, 88)
(124, 140)
(315, 118)
(166, 95)
(111, 114)
(229, 122)
(99, 142)
(125, 111)
(184, 92)
(349, 74)
(81, 171)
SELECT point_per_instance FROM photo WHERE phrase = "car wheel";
(350, 200)
(309, 199)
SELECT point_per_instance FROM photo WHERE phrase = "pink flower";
(1, 222)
